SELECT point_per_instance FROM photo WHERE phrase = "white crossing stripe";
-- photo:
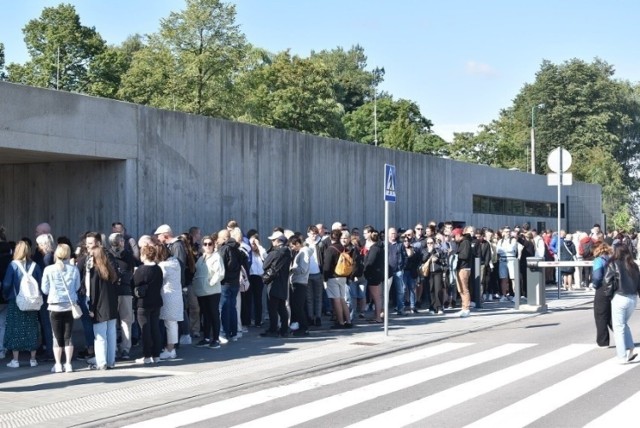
(425, 407)
(234, 404)
(623, 412)
(316, 409)
(549, 399)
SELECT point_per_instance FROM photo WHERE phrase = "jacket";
(374, 264)
(56, 287)
(149, 275)
(277, 265)
(103, 300)
(465, 253)
(397, 257)
(209, 274)
(233, 258)
(629, 279)
(124, 262)
(331, 256)
(300, 266)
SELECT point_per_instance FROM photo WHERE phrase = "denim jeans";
(105, 343)
(410, 286)
(87, 324)
(3, 323)
(314, 296)
(622, 307)
(398, 285)
(228, 311)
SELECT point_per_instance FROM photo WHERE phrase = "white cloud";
(480, 69)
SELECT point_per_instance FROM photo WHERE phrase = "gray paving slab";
(36, 397)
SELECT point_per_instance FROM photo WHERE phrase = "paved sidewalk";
(36, 397)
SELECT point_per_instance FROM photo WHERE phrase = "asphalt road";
(539, 372)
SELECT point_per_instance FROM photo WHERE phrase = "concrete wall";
(91, 161)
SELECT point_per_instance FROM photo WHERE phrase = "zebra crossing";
(433, 363)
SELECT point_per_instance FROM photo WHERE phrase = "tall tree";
(61, 50)
(3, 75)
(199, 50)
(352, 82)
(295, 93)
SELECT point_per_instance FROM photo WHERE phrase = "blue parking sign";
(389, 183)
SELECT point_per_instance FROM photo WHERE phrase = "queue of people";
(165, 291)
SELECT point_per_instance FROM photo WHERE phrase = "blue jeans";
(105, 343)
(622, 307)
(229, 315)
(410, 285)
(398, 285)
(87, 323)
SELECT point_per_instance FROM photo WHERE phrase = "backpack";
(29, 297)
(345, 264)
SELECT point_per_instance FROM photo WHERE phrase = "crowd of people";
(164, 290)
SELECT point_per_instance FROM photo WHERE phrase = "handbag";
(76, 311)
(610, 288)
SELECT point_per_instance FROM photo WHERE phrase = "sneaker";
(195, 335)
(68, 368)
(631, 355)
(214, 345)
(155, 359)
(464, 313)
(144, 361)
(238, 335)
(168, 355)
(244, 330)
(490, 297)
(233, 338)
(97, 367)
(430, 312)
(185, 339)
(57, 368)
(13, 364)
(33, 363)
(223, 340)
(124, 355)
(415, 310)
(203, 343)
(440, 312)
(361, 315)
(91, 360)
(504, 299)
(294, 326)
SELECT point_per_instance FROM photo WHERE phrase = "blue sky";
(462, 61)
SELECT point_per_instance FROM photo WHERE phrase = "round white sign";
(553, 160)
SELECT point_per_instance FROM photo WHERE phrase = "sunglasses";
(207, 244)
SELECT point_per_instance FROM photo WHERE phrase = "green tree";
(294, 93)
(192, 61)
(108, 68)
(61, 51)
(352, 82)
(3, 75)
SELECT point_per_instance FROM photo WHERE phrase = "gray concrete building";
(81, 163)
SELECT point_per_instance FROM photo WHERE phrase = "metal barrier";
(537, 263)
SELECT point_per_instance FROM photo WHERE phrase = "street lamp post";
(533, 136)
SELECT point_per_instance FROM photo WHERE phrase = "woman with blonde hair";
(61, 282)
(22, 326)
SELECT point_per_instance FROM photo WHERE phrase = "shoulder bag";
(75, 307)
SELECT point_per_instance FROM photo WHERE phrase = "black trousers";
(252, 299)
(62, 327)
(210, 310)
(149, 320)
(436, 286)
(602, 315)
(278, 307)
(298, 302)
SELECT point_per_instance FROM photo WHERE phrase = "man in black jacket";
(232, 258)
(276, 277)
(463, 268)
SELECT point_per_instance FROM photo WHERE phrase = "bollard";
(536, 299)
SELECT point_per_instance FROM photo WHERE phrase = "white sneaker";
(68, 368)
(33, 363)
(490, 297)
(144, 360)
(464, 313)
(185, 339)
(168, 355)
(223, 340)
(57, 368)
(440, 312)
(294, 326)
(13, 364)
(504, 299)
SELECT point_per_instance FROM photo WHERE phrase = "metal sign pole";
(560, 173)
(385, 307)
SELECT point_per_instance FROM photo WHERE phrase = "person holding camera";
(437, 264)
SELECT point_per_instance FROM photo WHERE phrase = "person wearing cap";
(276, 277)
(463, 268)
(125, 262)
